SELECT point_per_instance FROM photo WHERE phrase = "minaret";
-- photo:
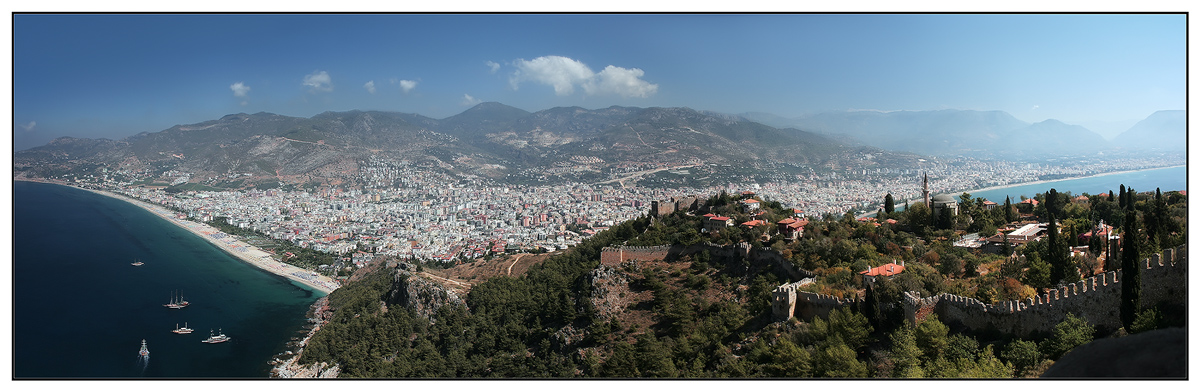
(925, 190)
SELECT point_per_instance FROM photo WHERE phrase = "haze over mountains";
(489, 140)
(504, 143)
(983, 134)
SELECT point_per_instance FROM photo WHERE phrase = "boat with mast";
(177, 303)
(144, 352)
(183, 330)
(219, 338)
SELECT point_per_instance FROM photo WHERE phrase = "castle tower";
(925, 190)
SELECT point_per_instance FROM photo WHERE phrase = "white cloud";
(625, 82)
(564, 74)
(560, 72)
(319, 81)
(468, 100)
(492, 65)
(370, 86)
(239, 89)
(408, 85)
(28, 127)
(1035, 107)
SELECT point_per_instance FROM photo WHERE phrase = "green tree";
(889, 204)
(1022, 355)
(837, 360)
(932, 337)
(786, 359)
(905, 354)
(1070, 333)
(1009, 213)
(1131, 271)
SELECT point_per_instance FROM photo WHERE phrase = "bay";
(81, 310)
(1167, 179)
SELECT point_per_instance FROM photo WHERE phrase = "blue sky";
(117, 75)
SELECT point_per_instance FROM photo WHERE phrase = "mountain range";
(489, 140)
(983, 134)
(507, 144)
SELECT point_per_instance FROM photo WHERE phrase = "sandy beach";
(246, 252)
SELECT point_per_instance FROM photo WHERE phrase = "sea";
(81, 310)
(1167, 179)
(73, 247)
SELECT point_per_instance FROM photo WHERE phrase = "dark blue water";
(1168, 179)
(81, 310)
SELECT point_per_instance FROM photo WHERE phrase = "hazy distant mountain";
(969, 132)
(489, 140)
(1165, 129)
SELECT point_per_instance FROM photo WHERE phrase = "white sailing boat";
(177, 303)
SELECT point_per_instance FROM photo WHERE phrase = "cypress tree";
(1009, 215)
(1060, 264)
(1121, 203)
(889, 205)
(1131, 271)
(1110, 195)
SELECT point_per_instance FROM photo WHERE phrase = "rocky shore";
(286, 364)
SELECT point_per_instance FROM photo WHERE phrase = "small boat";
(137, 263)
(145, 352)
(177, 303)
(183, 330)
(219, 338)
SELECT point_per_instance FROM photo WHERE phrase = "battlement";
(1096, 299)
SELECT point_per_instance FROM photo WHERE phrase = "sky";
(113, 76)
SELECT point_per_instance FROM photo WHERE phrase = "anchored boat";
(183, 330)
(219, 338)
(177, 303)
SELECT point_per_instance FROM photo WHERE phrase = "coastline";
(992, 188)
(241, 250)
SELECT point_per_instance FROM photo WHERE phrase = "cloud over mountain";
(408, 85)
(370, 86)
(564, 74)
(318, 82)
(239, 89)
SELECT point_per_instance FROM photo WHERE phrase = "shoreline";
(247, 253)
(992, 188)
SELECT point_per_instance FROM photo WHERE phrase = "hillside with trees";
(705, 316)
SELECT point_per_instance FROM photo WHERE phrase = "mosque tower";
(925, 190)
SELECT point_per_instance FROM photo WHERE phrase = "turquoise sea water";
(81, 310)
(1167, 179)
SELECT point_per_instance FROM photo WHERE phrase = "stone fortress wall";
(667, 207)
(1096, 299)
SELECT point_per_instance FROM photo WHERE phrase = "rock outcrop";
(420, 294)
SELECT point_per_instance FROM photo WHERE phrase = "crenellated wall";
(1096, 299)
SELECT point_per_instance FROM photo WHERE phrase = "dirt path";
(515, 260)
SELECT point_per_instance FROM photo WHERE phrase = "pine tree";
(1131, 271)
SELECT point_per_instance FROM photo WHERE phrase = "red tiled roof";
(989, 202)
(888, 269)
(787, 221)
(720, 218)
(754, 223)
